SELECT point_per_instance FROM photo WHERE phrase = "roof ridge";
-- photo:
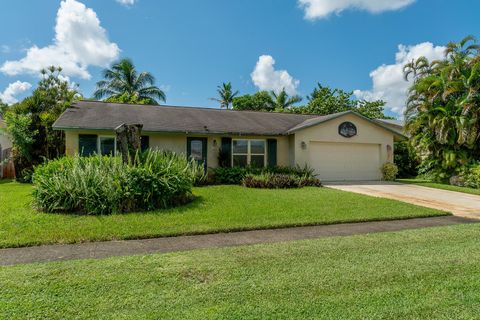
(196, 108)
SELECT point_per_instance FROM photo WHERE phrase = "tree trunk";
(128, 140)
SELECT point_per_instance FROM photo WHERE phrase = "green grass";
(444, 186)
(217, 208)
(422, 274)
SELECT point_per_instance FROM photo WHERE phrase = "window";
(90, 144)
(87, 144)
(248, 152)
(107, 146)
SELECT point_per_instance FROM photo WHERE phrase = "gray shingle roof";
(101, 115)
(107, 116)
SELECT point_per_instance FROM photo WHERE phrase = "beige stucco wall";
(367, 133)
(178, 143)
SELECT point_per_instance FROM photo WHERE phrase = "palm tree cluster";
(443, 108)
(123, 83)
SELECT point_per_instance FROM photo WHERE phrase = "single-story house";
(341, 146)
(6, 165)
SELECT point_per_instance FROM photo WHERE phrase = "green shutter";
(272, 152)
(144, 143)
(87, 144)
(225, 156)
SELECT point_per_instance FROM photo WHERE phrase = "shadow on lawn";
(195, 202)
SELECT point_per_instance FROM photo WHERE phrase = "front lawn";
(217, 208)
(444, 186)
(421, 274)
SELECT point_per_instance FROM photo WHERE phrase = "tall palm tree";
(225, 95)
(283, 101)
(122, 79)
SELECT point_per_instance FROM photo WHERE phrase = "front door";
(197, 149)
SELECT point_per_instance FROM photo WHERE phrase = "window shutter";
(87, 144)
(144, 143)
(272, 152)
(225, 156)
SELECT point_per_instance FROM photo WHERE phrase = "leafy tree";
(127, 98)
(282, 101)
(3, 108)
(30, 121)
(225, 95)
(259, 101)
(443, 108)
(123, 82)
(325, 100)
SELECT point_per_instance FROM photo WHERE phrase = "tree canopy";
(123, 83)
(325, 100)
(443, 108)
(30, 121)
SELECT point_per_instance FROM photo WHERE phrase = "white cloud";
(79, 42)
(8, 95)
(127, 2)
(318, 9)
(388, 82)
(265, 77)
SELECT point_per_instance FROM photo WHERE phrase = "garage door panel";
(345, 161)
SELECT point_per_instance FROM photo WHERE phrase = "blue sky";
(192, 46)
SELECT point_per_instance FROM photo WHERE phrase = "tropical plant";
(123, 82)
(30, 121)
(105, 185)
(225, 95)
(443, 108)
(282, 101)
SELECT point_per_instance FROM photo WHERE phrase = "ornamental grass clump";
(104, 185)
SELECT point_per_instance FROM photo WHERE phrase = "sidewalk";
(98, 250)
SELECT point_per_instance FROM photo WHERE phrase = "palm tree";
(225, 95)
(443, 107)
(122, 79)
(283, 101)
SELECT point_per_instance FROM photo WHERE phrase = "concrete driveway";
(460, 204)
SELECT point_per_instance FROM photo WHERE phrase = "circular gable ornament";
(347, 129)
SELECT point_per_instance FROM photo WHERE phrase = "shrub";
(468, 176)
(104, 185)
(235, 175)
(389, 171)
(405, 159)
(278, 181)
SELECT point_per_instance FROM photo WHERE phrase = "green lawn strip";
(217, 209)
(420, 274)
(427, 183)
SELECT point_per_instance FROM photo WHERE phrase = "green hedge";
(279, 181)
(104, 185)
(235, 175)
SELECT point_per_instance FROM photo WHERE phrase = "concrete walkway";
(97, 250)
(458, 203)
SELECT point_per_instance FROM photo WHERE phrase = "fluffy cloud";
(127, 2)
(265, 77)
(388, 82)
(8, 96)
(318, 9)
(79, 42)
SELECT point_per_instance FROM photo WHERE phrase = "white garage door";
(345, 161)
